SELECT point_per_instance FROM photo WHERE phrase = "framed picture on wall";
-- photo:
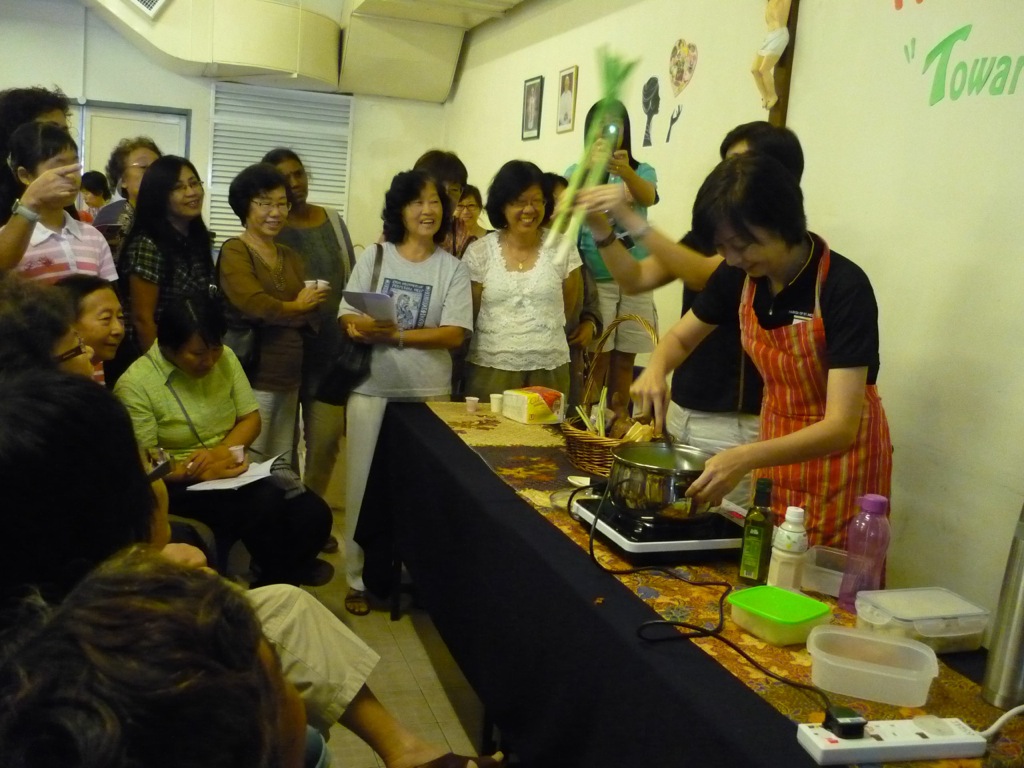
(565, 119)
(533, 91)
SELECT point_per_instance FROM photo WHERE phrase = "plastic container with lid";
(940, 619)
(867, 665)
(777, 616)
(823, 570)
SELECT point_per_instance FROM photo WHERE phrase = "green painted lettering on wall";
(963, 78)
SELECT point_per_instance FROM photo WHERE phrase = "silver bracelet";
(640, 234)
(401, 339)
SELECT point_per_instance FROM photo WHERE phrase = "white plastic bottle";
(788, 548)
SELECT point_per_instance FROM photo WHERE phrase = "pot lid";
(662, 456)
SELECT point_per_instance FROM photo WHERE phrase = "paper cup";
(323, 285)
(238, 452)
(311, 284)
(472, 403)
(496, 400)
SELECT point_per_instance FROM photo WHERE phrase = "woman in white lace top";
(522, 292)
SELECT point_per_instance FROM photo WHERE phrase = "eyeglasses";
(266, 206)
(467, 207)
(537, 203)
(71, 354)
(190, 185)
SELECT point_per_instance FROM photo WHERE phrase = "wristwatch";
(24, 211)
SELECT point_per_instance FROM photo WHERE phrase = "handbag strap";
(378, 259)
(181, 405)
(342, 235)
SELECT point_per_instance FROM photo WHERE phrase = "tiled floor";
(416, 678)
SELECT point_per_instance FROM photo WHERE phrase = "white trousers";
(364, 415)
(277, 412)
(714, 433)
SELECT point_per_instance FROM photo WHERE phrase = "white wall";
(483, 116)
(59, 42)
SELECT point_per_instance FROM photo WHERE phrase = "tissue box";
(533, 405)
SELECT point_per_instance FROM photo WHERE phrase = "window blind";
(249, 121)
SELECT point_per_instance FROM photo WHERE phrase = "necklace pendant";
(520, 266)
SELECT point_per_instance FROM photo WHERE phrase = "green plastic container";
(777, 616)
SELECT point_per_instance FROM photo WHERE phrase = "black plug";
(845, 723)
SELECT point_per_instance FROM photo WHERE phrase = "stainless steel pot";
(650, 480)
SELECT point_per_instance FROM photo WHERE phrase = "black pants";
(283, 536)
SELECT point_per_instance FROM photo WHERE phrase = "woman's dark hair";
(470, 191)
(181, 320)
(551, 181)
(153, 206)
(280, 155)
(617, 109)
(76, 287)
(33, 318)
(250, 183)
(444, 166)
(35, 143)
(117, 164)
(511, 180)
(750, 190)
(75, 491)
(405, 188)
(765, 138)
(96, 182)
(17, 107)
(145, 663)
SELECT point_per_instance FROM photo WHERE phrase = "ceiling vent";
(149, 7)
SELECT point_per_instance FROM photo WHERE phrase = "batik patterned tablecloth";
(532, 460)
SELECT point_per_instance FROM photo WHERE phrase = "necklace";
(520, 262)
(276, 270)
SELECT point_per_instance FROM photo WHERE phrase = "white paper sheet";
(251, 475)
(379, 306)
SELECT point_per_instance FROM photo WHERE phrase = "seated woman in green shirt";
(189, 396)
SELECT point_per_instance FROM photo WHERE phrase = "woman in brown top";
(263, 280)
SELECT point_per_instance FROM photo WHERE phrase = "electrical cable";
(694, 629)
(990, 732)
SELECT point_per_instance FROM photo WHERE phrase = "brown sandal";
(356, 602)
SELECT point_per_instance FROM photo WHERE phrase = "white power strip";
(923, 738)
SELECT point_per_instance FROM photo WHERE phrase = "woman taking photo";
(166, 255)
(809, 321)
(321, 239)
(189, 396)
(640, 184)
(263, 280)
(523, 295)
(411, 360)
(59, 245)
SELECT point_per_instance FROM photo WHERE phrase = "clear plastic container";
(867, 665)
(823, 570)
(777, 616)
(940, 619)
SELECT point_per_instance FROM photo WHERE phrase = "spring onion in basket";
(614, 71)
(601, 404)
(585, 419)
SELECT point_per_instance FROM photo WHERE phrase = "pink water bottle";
(866, 544)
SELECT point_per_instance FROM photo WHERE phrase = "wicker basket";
(587, 451)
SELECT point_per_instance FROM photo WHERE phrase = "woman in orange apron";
(808, 320)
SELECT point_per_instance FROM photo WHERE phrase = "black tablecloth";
(547, 640)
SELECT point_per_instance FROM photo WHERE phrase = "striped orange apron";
(792, 362)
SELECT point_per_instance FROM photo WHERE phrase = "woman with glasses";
(58, 245)
(99, 319)
(467, 212)
(126, 166)
(523, 293)
(165, 257)
(263, 281)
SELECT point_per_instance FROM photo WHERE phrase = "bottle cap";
(795, 515)
(873, 503)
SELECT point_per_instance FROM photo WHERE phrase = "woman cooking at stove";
(809, 321)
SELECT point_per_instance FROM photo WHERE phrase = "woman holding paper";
(431, 314)
(263, 280)
(189, 395)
